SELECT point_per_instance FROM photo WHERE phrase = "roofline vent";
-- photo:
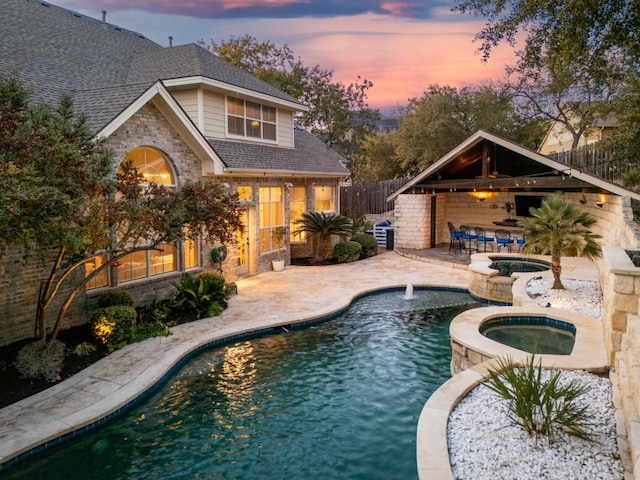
(104, 16)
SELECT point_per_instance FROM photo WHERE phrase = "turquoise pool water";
(532, 334)
(508, 265)
(337, 400)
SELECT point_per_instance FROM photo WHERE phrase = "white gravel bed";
(483, 444)
(579, 296)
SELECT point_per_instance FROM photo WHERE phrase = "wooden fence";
(594, 160)
(368, 198)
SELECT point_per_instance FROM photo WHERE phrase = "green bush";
(205, 295)
(360, 224)
(83, 349)
(348, 251)
(631, 178)
(369, 244)
(114, 326)
(541, 406)
(41, 359)
(115, 297)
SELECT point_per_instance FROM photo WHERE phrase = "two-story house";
(180, 113)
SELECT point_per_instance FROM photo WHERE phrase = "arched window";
(154, 166)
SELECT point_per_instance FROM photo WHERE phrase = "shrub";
(41, 359)
(538, 403)
(114, 326)
(115, 297)
(360, 224)
(369, 244)
(83, 349)
(348, 251)
(145, 330)
(200, 295)
(631, 178)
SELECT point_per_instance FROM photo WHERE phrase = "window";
(271, 215)
(250, 119)
(244, 192)
(324, 195)
(102, 278)
(191, 254)
(297, 206)
(152, 164)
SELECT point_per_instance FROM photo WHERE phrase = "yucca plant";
(540, 404)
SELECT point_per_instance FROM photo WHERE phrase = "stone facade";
(412, 217)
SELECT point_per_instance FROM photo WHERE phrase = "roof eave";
(160, 96)
(234, 89)
(483, 135)
(250, 172)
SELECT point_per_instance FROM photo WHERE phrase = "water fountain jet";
(408, 293)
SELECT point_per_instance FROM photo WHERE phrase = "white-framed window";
(102, 278)
(325, 198)
(271, 215)
(297, 207)
(154, 167)
(251, 119)
(245, 192)
(191, 253)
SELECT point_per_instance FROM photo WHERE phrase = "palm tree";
(322, 227)
(556, 228)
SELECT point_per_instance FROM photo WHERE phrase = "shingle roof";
(56, 51)
(106, 68)
(311, 155)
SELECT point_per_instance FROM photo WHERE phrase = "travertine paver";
(297, 294)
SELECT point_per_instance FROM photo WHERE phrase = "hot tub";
(532, 334)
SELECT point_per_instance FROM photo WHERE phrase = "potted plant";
(279, 236)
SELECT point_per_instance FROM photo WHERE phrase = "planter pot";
(278, 265)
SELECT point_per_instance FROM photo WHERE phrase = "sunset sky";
(401, 46)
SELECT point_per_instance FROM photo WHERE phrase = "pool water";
(508, 265)
(533, 335)
(337, 400)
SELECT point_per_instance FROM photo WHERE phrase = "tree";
(556, 228)
(60, 200)
(377, 160)
(322, 228)
(445, 116)
(574, 58)
(338, 113)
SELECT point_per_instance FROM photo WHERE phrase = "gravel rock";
(579, 296)
(484, 444)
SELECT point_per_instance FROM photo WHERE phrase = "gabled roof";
(56, 51)
(510, 165)
(311, 156)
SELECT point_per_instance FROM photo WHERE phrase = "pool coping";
(432, 446)
(589, 352)
(102, 391)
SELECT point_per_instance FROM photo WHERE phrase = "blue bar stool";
(503, 239)
(481, 236)
(467, 235)
(455, 238)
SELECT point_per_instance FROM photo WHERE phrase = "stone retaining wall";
(621, 309)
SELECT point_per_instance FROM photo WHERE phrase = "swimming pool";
(339, 399)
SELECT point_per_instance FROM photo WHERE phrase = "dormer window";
(250, 119)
